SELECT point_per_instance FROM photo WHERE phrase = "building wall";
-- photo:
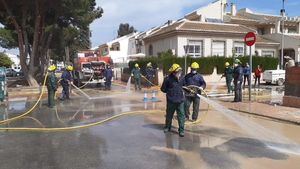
(162, 45)
(207, 44)
(215, 10)
(260, 48)
(177, 43)
(289, 43)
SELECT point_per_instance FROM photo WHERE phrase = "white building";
(16, 61)
(211, 31)
(119, 49)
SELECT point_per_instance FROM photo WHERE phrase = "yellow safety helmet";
(149, 64)
(136, 65)
(175, 68)
(52, 68)
(227, 64)
(237, 61)
(70, 68)
(195, 65)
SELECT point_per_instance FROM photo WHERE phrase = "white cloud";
(142, 14)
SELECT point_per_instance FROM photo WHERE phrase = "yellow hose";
(32, 108)
(87, 81)
(81, 126)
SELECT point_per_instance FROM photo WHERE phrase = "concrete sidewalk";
(281, 113)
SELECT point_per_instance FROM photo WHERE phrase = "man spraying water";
(193, 79)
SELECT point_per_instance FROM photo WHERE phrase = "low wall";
(292, 87)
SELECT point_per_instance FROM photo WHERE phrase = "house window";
(195, 48)
(261, 31)
(239, 48)
(218, 48)
(151, 50)
(268, 53)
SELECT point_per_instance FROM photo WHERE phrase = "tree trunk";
(67, 51)
(23, 56)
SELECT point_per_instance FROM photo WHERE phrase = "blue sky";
(144, 14)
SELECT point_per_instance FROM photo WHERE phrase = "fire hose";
(190, 88)
(91, 124)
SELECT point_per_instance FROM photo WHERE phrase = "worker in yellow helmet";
(66, 80)
(136, 74)
(51, 85)
(228, 74)
(150, 74)
(196, 82)
(172, 86)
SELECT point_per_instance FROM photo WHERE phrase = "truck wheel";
(280, 82)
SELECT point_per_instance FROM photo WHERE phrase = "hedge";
(207, 64)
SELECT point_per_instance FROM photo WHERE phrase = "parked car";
(274, 77)
(11, 72)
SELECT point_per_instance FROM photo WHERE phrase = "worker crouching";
(172, 86)
(51, 85)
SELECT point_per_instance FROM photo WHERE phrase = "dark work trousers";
(257, 79)
(179, 108)
(238, 91)
(51, 101)
(66, 91)
(228, 84)
(196, 104)
(149, 82)
(108, 84)
(246, 77)
(137, 83)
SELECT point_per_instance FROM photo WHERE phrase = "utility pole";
(282, 12)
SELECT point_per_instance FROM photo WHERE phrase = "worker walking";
(150, 74)
(108, 74)
(51, 85)
(66, 80)
(238, 80)
(228, 74)
(136, 74)
(172, 86)
(193, 79)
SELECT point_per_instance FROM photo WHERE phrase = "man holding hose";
(196, 81)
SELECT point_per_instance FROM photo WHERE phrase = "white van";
(274, 77)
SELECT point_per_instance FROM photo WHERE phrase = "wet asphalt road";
(136, 142)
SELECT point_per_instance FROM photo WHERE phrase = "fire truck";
(89, 68)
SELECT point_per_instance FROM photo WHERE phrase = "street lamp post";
(185, 58)
(282, 31)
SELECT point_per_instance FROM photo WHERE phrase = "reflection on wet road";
(135, 142)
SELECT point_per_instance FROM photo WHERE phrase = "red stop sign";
(250, 39)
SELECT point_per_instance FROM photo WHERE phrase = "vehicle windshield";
(86, 66)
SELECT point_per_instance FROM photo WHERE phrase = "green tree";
(35, 26)
(125, 29)
(5, 61)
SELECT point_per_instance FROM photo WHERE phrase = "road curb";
(268, 117)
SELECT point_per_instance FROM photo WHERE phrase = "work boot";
(181, 134)
(166, 130)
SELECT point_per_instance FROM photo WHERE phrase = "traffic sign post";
(250, 40)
